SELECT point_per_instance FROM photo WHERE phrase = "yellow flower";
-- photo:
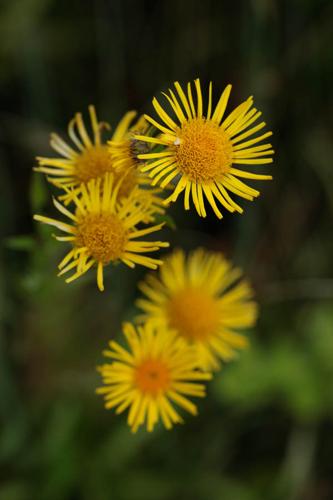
(157, 370)
(89, 158)
(203, 300)
(124, 150)
(104, 230)
(199, 150)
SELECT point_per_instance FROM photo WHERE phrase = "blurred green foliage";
(265, 431)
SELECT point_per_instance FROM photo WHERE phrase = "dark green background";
(265, 431)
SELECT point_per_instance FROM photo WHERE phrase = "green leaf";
(38, 193)
(25, 243)
(167, 219)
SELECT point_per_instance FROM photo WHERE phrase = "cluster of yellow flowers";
(112, 192)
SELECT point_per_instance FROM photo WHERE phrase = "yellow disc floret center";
(203, 150)
(104, 235)
(194, 314)
(93, 162)
(152, 377)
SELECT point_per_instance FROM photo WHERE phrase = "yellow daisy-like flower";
(199, 150)
(203, 299)
(124, 150)
(89, 157)
(104, 230)
(157, 370)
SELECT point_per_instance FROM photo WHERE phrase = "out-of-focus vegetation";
(265, 431)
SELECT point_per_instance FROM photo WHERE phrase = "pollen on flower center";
(93, 162)
(152, 376)
(203, 150)
(104, 235)
(193, 314)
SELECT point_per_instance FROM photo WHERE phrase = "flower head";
(200, 150)
(89, 158)
(157, 370)
(203, 300)
(124, 150)
(104, 230)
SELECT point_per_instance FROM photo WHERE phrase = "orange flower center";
(152, 377)
(104, 235)
(93, 162)
(194, 314)
(204, 151)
